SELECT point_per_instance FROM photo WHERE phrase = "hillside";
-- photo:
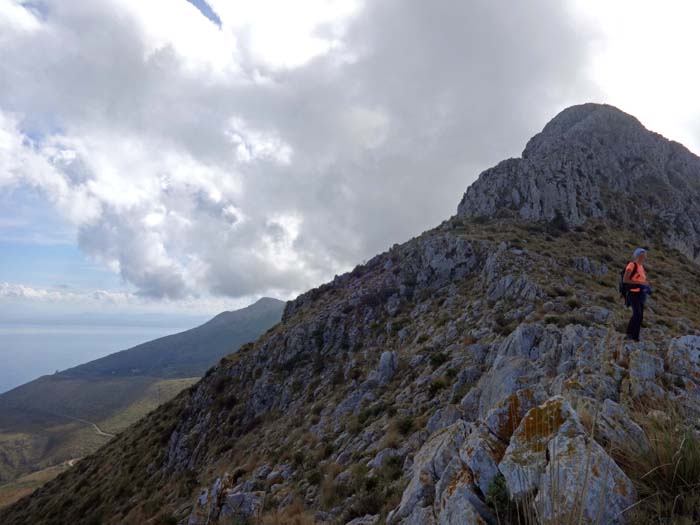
(48, 421)
(474, 374)
(189, 353)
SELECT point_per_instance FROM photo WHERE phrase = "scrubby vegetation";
(131, 481)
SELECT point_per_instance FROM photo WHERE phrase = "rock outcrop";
(595, 162)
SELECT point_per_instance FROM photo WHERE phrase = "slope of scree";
(447, 380)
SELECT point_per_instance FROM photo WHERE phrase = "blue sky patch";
(206, 10)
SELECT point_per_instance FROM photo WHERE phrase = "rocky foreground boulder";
(476, 374)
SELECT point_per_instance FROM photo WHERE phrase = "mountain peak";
(267, 301)
(584, 122)
(594, 161)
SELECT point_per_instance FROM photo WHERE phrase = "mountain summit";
(595, 161)
(475, 374)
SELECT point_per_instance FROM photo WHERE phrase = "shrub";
(314, 477)
(560, 292)
(391, 469)
(436, 386)
(497, 498)
(299, 458)
(422, 338)
(438, 359)
(460, 392)
(404, 425)
(558, 224)
(370, 413)
(573, 303)
(506, 329)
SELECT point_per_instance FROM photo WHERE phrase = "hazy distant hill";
(47, 421)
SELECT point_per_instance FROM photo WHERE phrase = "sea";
(28, 351)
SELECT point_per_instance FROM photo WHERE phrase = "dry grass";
(155, 395)
(667, 476)
(13, 491)
(293, 514)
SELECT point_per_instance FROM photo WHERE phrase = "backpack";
(624, 287)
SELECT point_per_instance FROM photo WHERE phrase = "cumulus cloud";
(265, 154)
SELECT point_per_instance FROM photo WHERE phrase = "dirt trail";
(93, 425)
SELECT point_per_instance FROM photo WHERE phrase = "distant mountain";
(189, 353)
(49, 420)
(475, 374)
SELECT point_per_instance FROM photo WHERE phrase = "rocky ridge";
(594, 161)
(474, 374)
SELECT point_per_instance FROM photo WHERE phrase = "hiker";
(635, 280)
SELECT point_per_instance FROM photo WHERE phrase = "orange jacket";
(639, 277)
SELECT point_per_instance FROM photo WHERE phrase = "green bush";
(404, 425)
(498, 499)
(314, 477)
(436, 386)
(438, 359)
(573, 303)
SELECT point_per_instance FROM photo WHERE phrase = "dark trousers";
(637, 303)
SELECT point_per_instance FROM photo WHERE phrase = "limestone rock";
(481, 453)
(443, 417)
(614, 426)
(207, 505)
(551, 457)
(462, 507)
(508, 375)
(242, 504)
(429, 464)
(419, 516)
(382, 456)
(388, 363)
(585, 265)
(683, 357)
(525, 459)
(644, 368)
(505, 417)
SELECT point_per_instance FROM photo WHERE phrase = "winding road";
(93, 425)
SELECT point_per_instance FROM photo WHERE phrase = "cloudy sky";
(167, 155)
